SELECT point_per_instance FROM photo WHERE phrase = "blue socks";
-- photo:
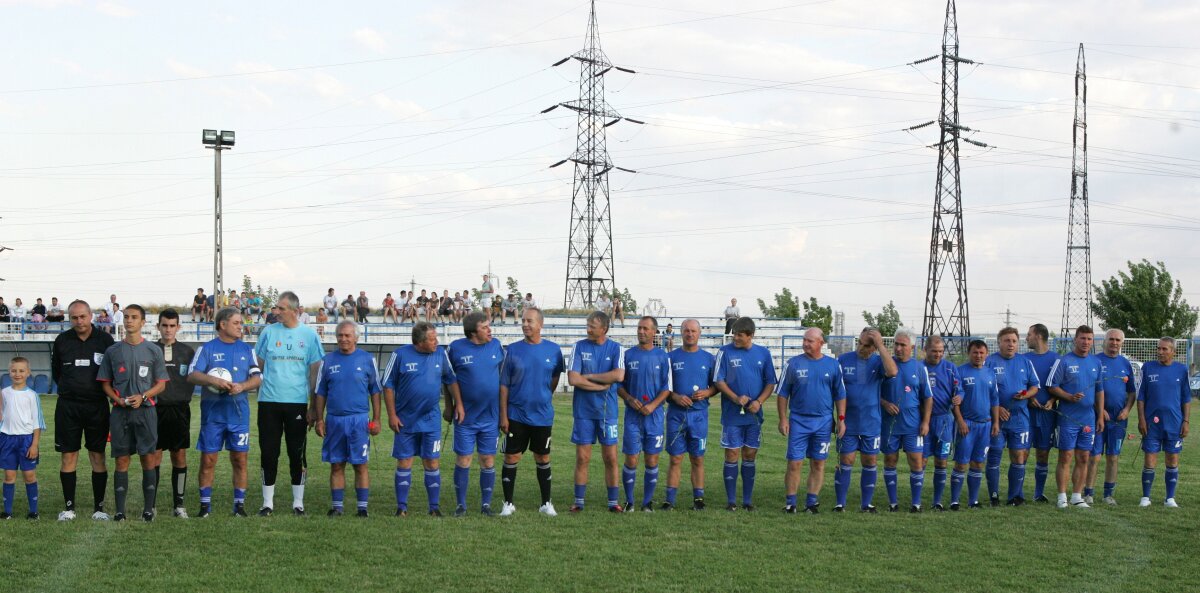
(580, 494)
(1147, 481)
(841, 483)
(1016, 480)
(790, 500)
(205, 498)
(867, 485)
(889, 481)
(487, 484)
(810, 500)
(338, 498)
(671, 494)
(613, 493)
(916, 483)
(748, 471)
(31, 494)
(649, 484)
(361, 495)
(994, 457)
(1108, 488)
(462, 481)
(1040, 471)
(939, 484)
(1172, 480)
(433, 488)
(956, 485)
(731, 475)
(10, 491)
(974, 480)
(628, 480)
(403, 484)
(239, 496)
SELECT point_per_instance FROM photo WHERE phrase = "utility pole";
(946, 308)
(1077, 285)
(590, 252)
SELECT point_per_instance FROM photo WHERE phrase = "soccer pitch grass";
(1035, 547)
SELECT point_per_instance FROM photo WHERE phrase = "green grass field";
(1035, 547)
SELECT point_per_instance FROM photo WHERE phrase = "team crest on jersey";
(143, 372)
(633, 365)
(587, 356)
(999, 370)
(802, 373)
(677, 366)
(1152, 378)
(969, 380)
(735, 363)
(335, 369)
(467, 359)
(848, 371)
(218, 356)
(98, 357)
(1073, 368)
(412, 366)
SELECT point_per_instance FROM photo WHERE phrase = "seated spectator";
(103, 321)
(273, 316)
(618, 311)
(362, 307)
(496, 308)
(528, 303)
(389, 309)
(330, 303)
(422, 305)
(604, 304)
(432, 305)
(303, 316)
(38, 309)
(445, 307)
(402, 305)
(254, 304)
(210, 307)
(348, 307)
(5, 314)
(199, 306)
(668, 338)
(510, 309)
(322, 315)
(19, 312)
(55, 313)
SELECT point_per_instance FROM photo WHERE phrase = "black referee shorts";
(174, 427)
(75, 421)
(522, 437)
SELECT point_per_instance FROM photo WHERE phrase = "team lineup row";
(862, 402)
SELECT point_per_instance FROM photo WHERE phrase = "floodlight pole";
(218, 259)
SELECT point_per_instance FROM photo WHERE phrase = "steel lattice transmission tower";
(590, 251)
(1077, 286)
(947, 254)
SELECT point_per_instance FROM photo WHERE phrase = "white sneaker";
(1171, 504)
(1144, 502)
(1081, 504)
(180, 512)
(1110, 501)
(66, 516)
(509, 508)
(1062, 501)
(548, 509)
(99, 516)
(1089, 499)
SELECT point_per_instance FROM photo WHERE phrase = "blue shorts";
(861, 443)
(741, 435)
(911, 443)
(640, 435)
(806, 444)
(1073, 437)
(1014, 439)
(13, 450)
(941, 436)
(588, 432)
(482, 436)
(408, 444)
(346, 439)
(1041, 428)
(973, 447)
(687, 432)
(214, 435)
(1159, 440)
(1110, 440)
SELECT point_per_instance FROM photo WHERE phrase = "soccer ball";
(219, 373)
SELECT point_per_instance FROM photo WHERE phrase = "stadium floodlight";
(218, 142)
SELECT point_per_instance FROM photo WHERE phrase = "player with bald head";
(809, 391)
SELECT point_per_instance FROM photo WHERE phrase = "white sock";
(1076, 497)
(298, 496)
(1062, 495)
(269, 496)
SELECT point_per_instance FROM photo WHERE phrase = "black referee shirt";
(74, 364)
(178, 357)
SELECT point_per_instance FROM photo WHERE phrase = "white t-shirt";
(603, 304)
(22, 411)
(19, 313)
(330, 302)
(732, 312)
(529, 304)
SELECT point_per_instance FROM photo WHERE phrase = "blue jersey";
(864, 380)
(347, 382)
(647, 374)
(1165, 391)
(286, 355)
(1078, 374)
(943, 377)
(1042, 363)
(528, 371)
(908, 390)
(811, 388)
(590, 358)
(691, 372)
(237, 358)
(1118, 382)
(747, 371)
(416, 378)
(980, 393)
(477, 369)
(1014, 375)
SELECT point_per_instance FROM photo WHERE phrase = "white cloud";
(113, 9)
(400, 109)
(371, 39)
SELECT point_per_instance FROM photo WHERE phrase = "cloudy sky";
(386, 142)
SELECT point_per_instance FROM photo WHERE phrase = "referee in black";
(82, 409)
(174, 407)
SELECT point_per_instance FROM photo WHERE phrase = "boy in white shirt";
(21, 426)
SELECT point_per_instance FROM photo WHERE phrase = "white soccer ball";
(219, 373)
